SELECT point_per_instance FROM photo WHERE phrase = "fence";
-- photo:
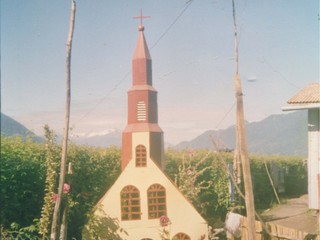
(277, 232)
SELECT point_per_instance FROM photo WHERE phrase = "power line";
(105, 97)
(173, 23)
(280, 74)
(222, 119)
(225, 115)
(126, 75)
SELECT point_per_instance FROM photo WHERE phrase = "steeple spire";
(141, 62)
(142, 127)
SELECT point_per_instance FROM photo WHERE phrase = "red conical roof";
(141, 51)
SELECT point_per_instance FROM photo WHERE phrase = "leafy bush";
(213, 201)
(16, 232)
(101, 226)
(22, 181)
(295, 178)
(203, 178)
(23, 174)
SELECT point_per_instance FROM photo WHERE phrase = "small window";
(181, 236)
(130, 203)
(141, 156)
(157, 205)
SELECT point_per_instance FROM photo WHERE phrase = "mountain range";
(281, 134)
(10, 127)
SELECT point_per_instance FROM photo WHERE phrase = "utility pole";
(57, 207)
(241, 144)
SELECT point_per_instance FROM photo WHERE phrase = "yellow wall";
(183, 216)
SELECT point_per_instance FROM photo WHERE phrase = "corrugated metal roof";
(309, 94)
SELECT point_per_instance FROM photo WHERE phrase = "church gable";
(141, 195)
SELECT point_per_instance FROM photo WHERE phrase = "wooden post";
(271, 182)
(319, 203)
(57, 207)
(242, 141)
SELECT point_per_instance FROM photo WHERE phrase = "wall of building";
(183, 216)
(313, 157)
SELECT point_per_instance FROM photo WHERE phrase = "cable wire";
(126, 75)
(173, 23)
(225, 115)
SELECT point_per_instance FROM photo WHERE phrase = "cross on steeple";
(141, 27)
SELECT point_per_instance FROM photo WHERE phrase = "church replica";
(143, 199)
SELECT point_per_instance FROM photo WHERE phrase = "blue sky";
(193, 61)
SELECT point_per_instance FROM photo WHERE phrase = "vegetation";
(23, 176)
(201, 176)
(100, 227)
(23, 172)
(52, 167)
(203, 179)
(295, 178)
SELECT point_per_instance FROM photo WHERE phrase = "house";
(143, 199)
(309, 99)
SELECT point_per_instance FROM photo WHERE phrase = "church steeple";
(143, 194)
(141, 62)
(142, 128)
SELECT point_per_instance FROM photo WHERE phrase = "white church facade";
(143, 195)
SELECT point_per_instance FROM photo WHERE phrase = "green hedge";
(295, 178)
(22, 181)
(23, 172)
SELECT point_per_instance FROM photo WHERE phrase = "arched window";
(181, 236)
(141, 156)
(157, 205)
(130, 203)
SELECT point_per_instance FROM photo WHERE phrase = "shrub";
(22, 181)
(23, 174)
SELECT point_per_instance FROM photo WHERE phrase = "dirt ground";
(294, 214)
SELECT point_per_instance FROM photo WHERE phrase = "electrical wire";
(280, 74)
(105, 97)
(225, 115)
(187, 5)
(173, 23)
